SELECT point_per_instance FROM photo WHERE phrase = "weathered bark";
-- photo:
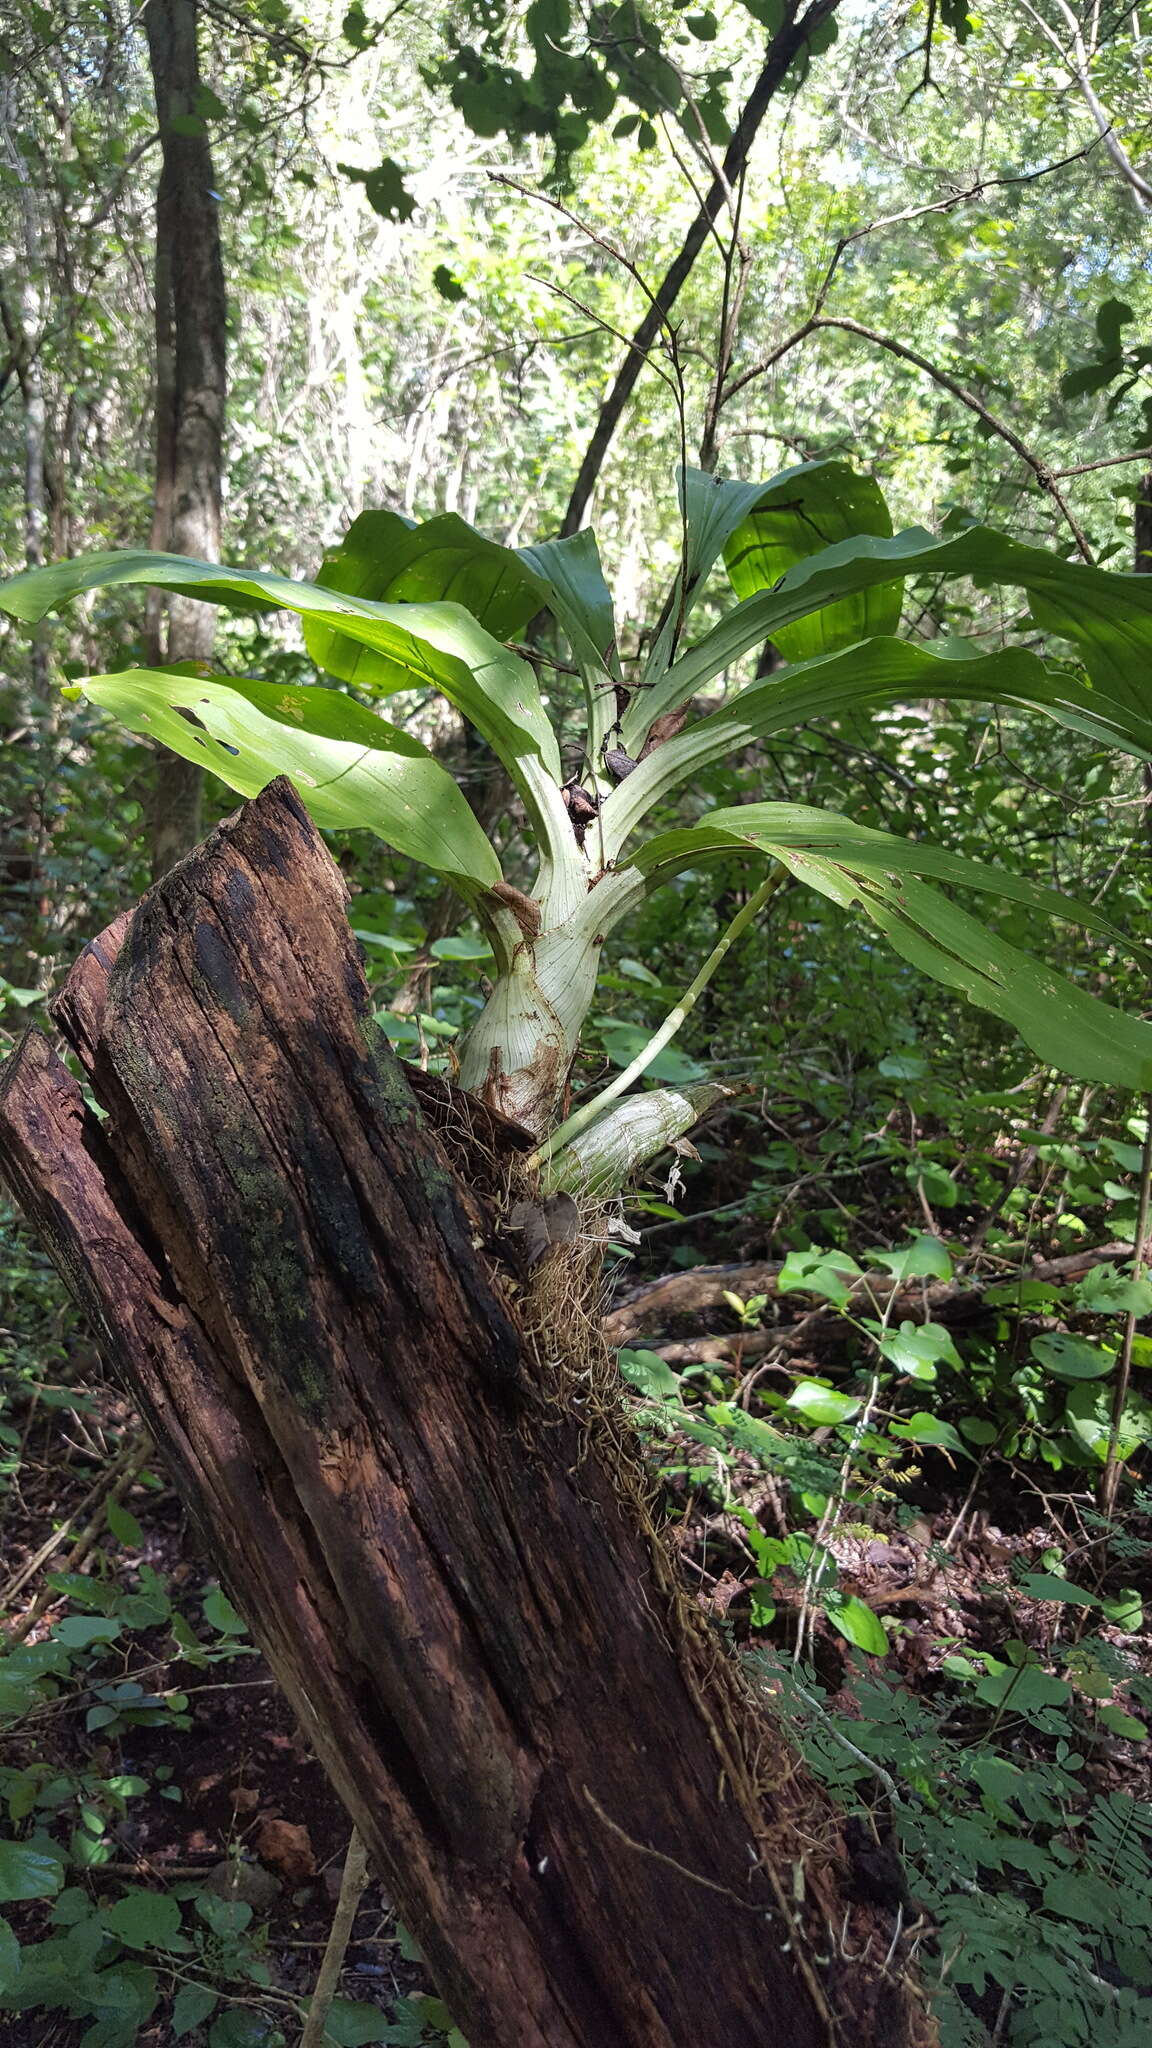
(432, 1523)
(191, 385)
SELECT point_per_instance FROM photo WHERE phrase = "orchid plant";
(816, 569)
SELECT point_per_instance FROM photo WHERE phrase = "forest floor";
(165, 1761)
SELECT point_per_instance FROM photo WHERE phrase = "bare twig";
(1110, 1477)
(960, 197)
(1105, 462)
(351, 1891)
(1077, 62)
(785, 47)
(1040, 470)
(138, 1454)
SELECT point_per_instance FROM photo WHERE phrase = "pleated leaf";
(350, 767)
(870, 871)
(387, 558)
(783, 829)
(418, 646)
(876, 672)
(805, 510)
(1105, 613)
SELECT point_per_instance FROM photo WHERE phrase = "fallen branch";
(654, 1307)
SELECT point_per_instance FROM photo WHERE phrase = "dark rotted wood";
(441, 1568)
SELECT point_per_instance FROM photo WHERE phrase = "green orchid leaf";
(1066, 1026)
(1070, 1028)
(385, 557)
(350, 767)
(569, 574)
(877, 672)
(711, 507)
(803, 511)
(572, 579)
(412, 646)
(1105, 613)
(781, 829)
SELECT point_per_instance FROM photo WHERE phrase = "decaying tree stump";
(446, 1563)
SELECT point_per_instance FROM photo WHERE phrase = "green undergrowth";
(990, 1721)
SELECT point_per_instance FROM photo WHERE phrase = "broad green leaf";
(193, 2004)
(1071, 1358)
(1022, 1689)
(143, 1919)
(803, 511)
(461, 946)
(925, 1258)
(647, 1371)
(918, 1349)
(351, 768)
(79, 1631)
(220, 1614)
(857, 1622)
(576, 594)
(923, 1428)
(1106, 613)
(1066, 1026)
(27, 1873)
(9, 1956)
(877, 874)
(796, 828)
(415, 646)
(1125, 1610)
(387, 557)
(238, 2029)
(877, 672)
(818, 1271)
(226, 1917)
(1129, 1729)
(123, 1525)
(822, 1404)
(712, 507)
(1105, 1291)
(941, 1188)
(978, 1430)
(1046, 1586)
(353, 2023)
(1088, 1415)
(569, 575)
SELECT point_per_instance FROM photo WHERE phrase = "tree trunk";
(191, 382)
(423, 1498)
